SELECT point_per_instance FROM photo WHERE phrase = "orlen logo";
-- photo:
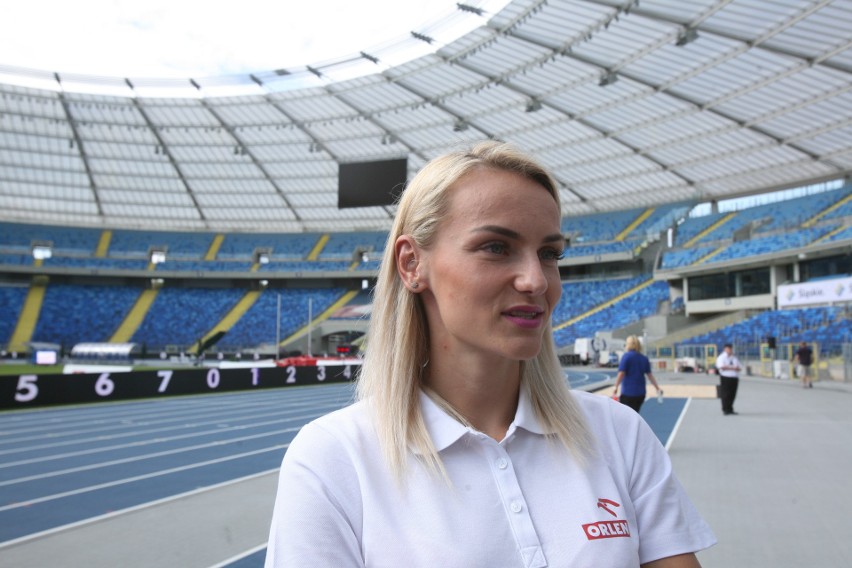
(607, 529)
(605, 504)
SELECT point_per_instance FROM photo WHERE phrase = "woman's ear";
(408, 262)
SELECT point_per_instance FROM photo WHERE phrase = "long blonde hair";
(398, 343)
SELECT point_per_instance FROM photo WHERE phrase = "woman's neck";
(486, 397)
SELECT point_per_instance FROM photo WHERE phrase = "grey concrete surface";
(773, 481)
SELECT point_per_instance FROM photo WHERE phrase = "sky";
(194, 38)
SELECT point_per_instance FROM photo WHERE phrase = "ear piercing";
(415, 285)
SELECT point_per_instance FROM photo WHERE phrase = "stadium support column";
(278, 330)
(28, 318)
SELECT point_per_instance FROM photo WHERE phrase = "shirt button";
(516, 507)
(502, 463)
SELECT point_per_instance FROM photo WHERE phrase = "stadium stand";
(796, 212)
(306, 266)
(597, 249)
(78, 313)
(182, 316)
(16, 259)
(660, 219)
(771, 243)
(685, 257)
(843, 234)
(340, 246)
(693, 227)
(761, 229)
(11, 303)
(134, 244)
(586, 295)
(282, 246)
(619, 311)
(205, 265)
(96, 263)
(258, 325)
(826, 325)
(19, 237)
(599, 227)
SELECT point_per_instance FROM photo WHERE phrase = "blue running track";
(66, 465)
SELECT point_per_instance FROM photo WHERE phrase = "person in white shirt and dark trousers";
(728, 367)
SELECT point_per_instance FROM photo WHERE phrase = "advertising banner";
(31, 390)
(819, 292)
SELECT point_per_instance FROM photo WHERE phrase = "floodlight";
(41, 252)
(262, 255)
(688, 36)
(533, 105)
(608, 79)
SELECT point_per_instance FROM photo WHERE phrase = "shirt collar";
(445, 430)
(525, 415)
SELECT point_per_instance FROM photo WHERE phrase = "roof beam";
(164, 149)
(246, 151)
(78, 141)
(666, 88)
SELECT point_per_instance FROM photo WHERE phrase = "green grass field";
(30, 369)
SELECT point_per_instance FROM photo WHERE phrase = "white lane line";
(213, 444)
(218, 419)
(80, 417)
(240, 556)
(82, 420)
(138, 444)
(670, 441)
(134, 508)
(73, 431)
(135, 478)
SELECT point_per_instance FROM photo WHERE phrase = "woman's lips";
(528, 317)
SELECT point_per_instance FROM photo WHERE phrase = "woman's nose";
(531, 278)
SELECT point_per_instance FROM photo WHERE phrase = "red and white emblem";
(607, 529)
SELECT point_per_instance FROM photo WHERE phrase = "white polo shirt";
(725, 360)
(521, 502)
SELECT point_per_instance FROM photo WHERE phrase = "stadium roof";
(629, 103)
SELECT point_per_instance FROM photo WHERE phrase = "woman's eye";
(496, 248)
(552, 254)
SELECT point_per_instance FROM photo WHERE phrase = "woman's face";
(491, 277)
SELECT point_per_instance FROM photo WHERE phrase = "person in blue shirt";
(632, 370)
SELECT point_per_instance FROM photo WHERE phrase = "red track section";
(311, 361)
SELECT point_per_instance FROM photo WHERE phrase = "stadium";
(209, 226)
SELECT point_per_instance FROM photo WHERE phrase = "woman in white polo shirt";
(466, 447)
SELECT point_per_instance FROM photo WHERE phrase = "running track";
(69, 465)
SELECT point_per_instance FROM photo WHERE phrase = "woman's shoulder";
(607, 417)
(621, 435)
(351, 420)
(334, 438)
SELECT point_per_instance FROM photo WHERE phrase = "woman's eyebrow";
(499, 230)
(555, 237)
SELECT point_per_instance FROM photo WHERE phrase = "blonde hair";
(398, 343)
(632, 343)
